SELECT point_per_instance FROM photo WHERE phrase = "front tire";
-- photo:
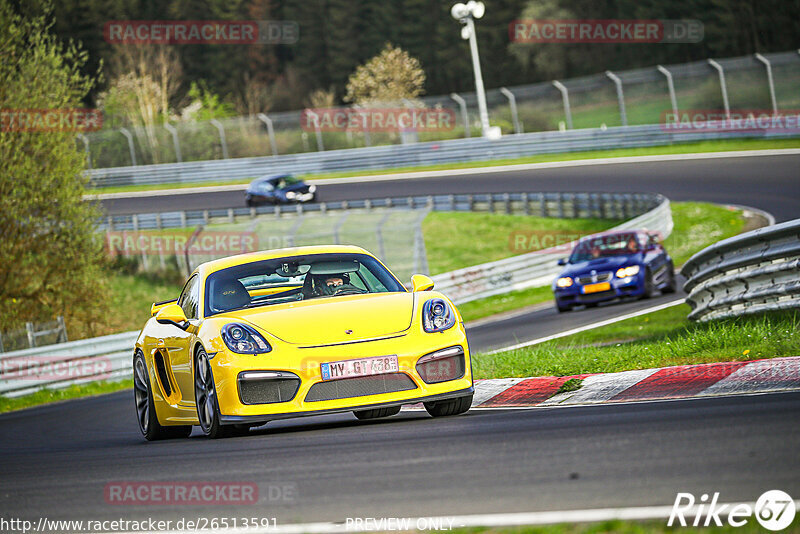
(449, 407)
(649, 287)
(151, 429)
(672, 286)
(376, 413)
(205, 395)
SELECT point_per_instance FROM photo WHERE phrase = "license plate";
(360, 367)
(596, 288)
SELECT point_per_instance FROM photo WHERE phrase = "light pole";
(466, 15)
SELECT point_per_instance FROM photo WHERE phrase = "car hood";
(600, 265)
(297, 188)
(325, 321)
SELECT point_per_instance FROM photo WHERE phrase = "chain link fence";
(641, 97)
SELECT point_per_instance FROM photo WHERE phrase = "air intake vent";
(268, 391)
(360, 387)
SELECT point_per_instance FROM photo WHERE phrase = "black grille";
(360, 387)
(268, 391)
(442, 370)
(600, 277)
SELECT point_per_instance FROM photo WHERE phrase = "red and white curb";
(680, 382)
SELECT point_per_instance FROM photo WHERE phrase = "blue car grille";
(591, 279)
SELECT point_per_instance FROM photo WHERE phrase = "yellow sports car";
(294, 332)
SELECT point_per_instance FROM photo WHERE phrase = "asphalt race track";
(58, 459)
(770, 183)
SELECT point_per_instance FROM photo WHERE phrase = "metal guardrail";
(66, 364)
(394, 156)
(750, 273)
(561, 205)
(110, 357)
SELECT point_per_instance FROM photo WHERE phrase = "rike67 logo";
(774, 510)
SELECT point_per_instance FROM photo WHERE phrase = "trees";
(388, 77)
(50, 257)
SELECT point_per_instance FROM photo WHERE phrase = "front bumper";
(632, 286)
(305, 364)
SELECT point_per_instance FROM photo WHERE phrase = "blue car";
(613, 265)
(279, 189)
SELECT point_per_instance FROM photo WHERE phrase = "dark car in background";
(607, 266)
(279, 189)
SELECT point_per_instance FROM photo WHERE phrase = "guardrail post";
(723, 87)
(270, 131)
(222, 140)
(129, 137)
(183, 219)
(175, 142)
(673, 99)
(565, 99)
(379, 236)
(85, 141)
(470, 203)
(542, 205)
(317, 129)
(31, 335)
(526, 206)
(770, 81)
(512, 103)
(464, 114)
(620, 97)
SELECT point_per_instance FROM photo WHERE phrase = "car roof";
(270, 178)
(212, 266)
(611, 233)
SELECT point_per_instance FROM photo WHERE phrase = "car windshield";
(286, 181)
(604, 246)
(296, 278)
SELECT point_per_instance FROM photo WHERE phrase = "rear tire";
(376, 413)
(449, 407)
(151, 429)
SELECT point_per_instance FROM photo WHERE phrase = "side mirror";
(562, 261)
(420, 282)
(171, 314)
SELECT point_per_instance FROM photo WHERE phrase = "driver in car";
(333, 284)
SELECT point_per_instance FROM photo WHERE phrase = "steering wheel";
(349, 290)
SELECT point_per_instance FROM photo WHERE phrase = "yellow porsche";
(297, 332)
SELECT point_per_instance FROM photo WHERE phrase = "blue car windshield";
(294, 278)
(604, 246)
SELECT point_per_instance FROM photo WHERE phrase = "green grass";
(131, 296)
(659, 339)
(683, 148)
(457, 240)
(54, 395)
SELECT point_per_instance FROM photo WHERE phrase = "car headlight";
(312, 188)
(244, 339)
(291, 194)
(437, 316)
(565, 281)
(624, 272)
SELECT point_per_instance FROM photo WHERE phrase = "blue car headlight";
(244, 339)
(437, 316)
(625, 272)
